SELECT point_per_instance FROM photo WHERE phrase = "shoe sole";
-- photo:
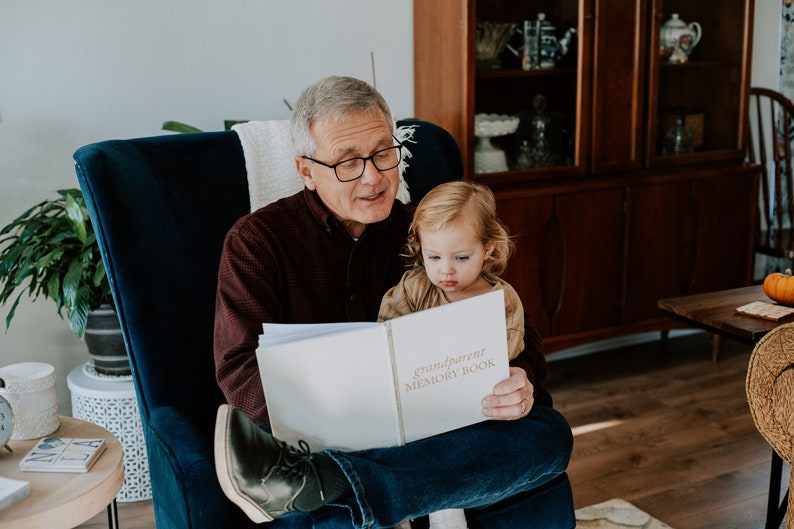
(229, 486)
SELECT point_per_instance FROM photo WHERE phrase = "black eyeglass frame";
(370, 158)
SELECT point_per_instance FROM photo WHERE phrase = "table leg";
(775, 511)
(716, 344)
(113, 515)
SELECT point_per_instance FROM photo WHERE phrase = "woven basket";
(770, 393)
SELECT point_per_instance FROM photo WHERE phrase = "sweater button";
(352, 298)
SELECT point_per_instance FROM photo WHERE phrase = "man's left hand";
(511, 399)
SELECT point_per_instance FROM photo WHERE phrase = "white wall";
(766, 44)
(76, 72)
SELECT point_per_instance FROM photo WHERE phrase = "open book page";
(334, 391)
(448, 359)
(276, 333)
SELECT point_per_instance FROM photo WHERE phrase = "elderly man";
(328, 254)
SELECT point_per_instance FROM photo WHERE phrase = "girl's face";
(453, 257)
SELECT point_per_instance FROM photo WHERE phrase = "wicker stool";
(770, 393)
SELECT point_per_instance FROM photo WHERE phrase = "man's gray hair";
(333, 97)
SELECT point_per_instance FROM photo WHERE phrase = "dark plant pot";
(105, 342)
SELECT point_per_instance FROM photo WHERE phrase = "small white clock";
(6, 420)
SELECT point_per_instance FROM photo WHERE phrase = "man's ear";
(304, 169)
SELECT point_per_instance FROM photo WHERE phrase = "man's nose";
(371, 173)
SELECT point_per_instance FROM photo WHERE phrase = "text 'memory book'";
(59, 454)
(360, 385)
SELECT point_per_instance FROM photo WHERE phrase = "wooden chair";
(770, 120)
(771, 132)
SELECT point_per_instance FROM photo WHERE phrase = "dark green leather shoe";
(257, 472)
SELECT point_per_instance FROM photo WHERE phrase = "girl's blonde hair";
(467, 201)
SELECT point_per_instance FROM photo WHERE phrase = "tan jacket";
(415, 292)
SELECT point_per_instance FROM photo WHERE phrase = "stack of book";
(59, 454)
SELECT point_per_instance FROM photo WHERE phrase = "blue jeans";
(487, 468)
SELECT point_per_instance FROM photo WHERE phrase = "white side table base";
(110, 402)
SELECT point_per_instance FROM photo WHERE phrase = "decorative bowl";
(492, 38)
(489, 125)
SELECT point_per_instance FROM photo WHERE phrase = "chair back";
(771, 132)
(161, 207)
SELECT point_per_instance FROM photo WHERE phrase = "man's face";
(365, 200)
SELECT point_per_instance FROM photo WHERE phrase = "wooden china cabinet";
(610, 217)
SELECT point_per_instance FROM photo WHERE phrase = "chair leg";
(775, 512)
(716, 341)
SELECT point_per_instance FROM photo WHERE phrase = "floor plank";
(683, 446)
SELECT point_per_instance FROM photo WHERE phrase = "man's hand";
(511, 398)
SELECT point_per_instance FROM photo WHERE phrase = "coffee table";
(63, 500)
(716, 312)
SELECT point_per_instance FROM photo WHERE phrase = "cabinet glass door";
(698, 95)
(528, 100)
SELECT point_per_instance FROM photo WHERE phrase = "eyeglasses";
(353, 168)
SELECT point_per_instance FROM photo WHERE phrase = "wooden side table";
(64, 500)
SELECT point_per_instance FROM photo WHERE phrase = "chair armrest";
(185, 486)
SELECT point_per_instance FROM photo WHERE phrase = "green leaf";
(54, 287)
(176, 126)
(74, 214)
(71, 283)
(99, 275)
(12, 311)
(78, 314)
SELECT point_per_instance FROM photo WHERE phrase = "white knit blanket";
(270, 161)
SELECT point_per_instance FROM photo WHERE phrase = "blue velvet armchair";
(161, 207)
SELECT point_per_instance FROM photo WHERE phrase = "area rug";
(616, 514)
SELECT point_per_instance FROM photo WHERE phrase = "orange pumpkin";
(780, 287)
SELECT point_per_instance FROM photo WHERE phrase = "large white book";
(360, 385)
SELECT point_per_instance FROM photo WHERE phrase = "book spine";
(397, 398)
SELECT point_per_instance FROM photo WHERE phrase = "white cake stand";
(489, 158)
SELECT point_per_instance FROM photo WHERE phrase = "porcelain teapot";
(678, 38)
(551, 49)
(541, 48)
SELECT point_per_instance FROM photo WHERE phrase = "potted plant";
(51, 251)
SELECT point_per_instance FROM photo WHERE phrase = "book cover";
(12, 490)
(354, 386)
(58, 454)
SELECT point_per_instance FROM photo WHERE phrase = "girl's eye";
(462, 258)
(433, 258)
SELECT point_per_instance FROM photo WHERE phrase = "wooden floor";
(659, 426)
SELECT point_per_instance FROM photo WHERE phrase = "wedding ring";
(523, 406)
